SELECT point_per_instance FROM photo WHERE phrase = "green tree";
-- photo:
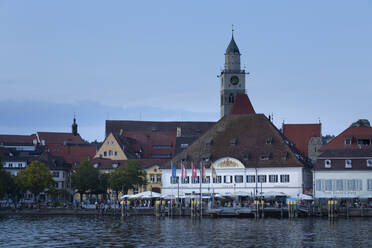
(36, 178)
(85, 178)
(128, 177)
(3, 179)
(101, 187)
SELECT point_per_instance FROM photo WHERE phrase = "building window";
(158, 178)
(108, 142)
(185, 180)
(152, 178)
(55, 173)
(251, 179)
(195, 179)
(227, 179)
(238, 179)
(354, 185)
(218, 179)
(347, 141)
(284, 178)
(115, 153)
(340, 185)
(318, 185)
(161, 147)
(105, 154)
(261, 178)
(369, 163)
(348, 163)
(161, 155)
(112, 142)
(264, 157)
(10, 165)
(327, 163)
(207, 179)
(174, 180)
(273, 178)
(364, 142)
(231, 98)
(369, 184)
(184, 146)
(328, 185)
(20, 165)
(110, 152)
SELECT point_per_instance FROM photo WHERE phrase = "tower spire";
(74, 127)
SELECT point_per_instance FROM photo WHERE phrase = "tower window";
(231, 98)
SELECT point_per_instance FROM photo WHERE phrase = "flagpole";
(201, 179)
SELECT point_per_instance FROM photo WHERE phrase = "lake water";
(149, 231)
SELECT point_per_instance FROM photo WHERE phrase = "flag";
(182, 171)
(193, 172)
(203, 172)
(214, 174)
(174, 170)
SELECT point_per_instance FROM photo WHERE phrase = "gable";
(111, 149)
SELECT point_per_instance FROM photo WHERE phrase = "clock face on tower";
(234, 80)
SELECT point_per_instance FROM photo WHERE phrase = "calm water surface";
(148, 231)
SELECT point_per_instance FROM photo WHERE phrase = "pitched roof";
(59, 138)
(152, 143)
(187, 128)
(242, 106)
(13, 140)
(358, 159)
(232, 47)
(300, 134)
(73, 152)
(352, 133)
(252, 139)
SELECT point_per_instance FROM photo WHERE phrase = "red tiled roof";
(242, 106)
(188, 128)
(300, 134)
(11, 139)
(251, 138)
(151, 142)
(59, 138)
(72, 153)
(352, 133)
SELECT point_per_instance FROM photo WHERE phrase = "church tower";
(232, 77)
(74, 128)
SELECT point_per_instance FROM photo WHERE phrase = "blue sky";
(158, 60)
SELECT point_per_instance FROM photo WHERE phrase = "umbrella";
(304, 197)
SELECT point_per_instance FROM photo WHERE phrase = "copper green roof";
(232, 48)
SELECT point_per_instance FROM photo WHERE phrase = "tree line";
(85, 179)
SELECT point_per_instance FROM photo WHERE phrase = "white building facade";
(232, 177)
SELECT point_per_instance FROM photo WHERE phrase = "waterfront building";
(306, 137)
(249, 154)
(344, 169)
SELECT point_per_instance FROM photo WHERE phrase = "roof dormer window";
(327, 163)
(369, 162)
(364, 142)
(347, 141)
(348, 163)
